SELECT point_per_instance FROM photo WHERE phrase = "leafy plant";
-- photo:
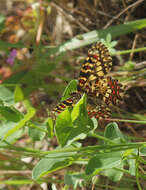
(112, 157)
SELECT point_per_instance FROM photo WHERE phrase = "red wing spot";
(114, 92)
(91, 114)
(110, 97)
(110, 83)
(95, 56)
(96, 82)
(70, 100)
(81, 81)
(118, 87)
(62, 106)
(87, 67)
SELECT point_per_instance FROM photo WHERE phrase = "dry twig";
(122, 12)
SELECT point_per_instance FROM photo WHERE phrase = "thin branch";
(20, 172)
(41, 24)
(133, 47)
(70, 17)
(122, 12)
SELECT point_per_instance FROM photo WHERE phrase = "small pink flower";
(13, 53)
(12, 56)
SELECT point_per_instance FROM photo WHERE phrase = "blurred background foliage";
(42, 46)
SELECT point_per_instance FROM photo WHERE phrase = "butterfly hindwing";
(99, 111)
(69, 102)
(114, 92)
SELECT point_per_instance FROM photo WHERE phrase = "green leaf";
(112, 132)
(63, 126)
(1, 103)
(48, 165)
(129, 66)
(21, 124)
(72, 86)
(79, 114)
(79, 109)
(114, 174)
(81, 122)
(74, 179)
(18, 94)
(95, 122)
(132, 162)
(6, 95)
(10, 113)
(4, 128)
(109, 44)
(103, 161)
(143, 151)
(74, 126)
(6, 45)
(16, 78)
(132, 166)
(108, 38)
(36, 131)
(2, 22)
(44, 67)
(50, 127)
(95, 35)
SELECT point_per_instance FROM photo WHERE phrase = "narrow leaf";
(50, 127)
(103, 161)
(48, 165)
(18, 94)
(21, 124)
(95, 35)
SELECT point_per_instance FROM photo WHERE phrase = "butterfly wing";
(99, 111)
(96, 65)
(109, 90)
(69, 102)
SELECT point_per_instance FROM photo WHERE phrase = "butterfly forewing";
(96, 65)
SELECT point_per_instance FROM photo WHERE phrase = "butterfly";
(102, 91)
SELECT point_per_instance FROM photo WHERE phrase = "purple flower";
(10, 60)
(13, 53)
(12, 56)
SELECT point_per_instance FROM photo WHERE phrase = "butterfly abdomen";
(63, 105)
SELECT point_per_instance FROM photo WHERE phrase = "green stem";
(130, 51)
(128, 121)
(137, 174)
(101, 137)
